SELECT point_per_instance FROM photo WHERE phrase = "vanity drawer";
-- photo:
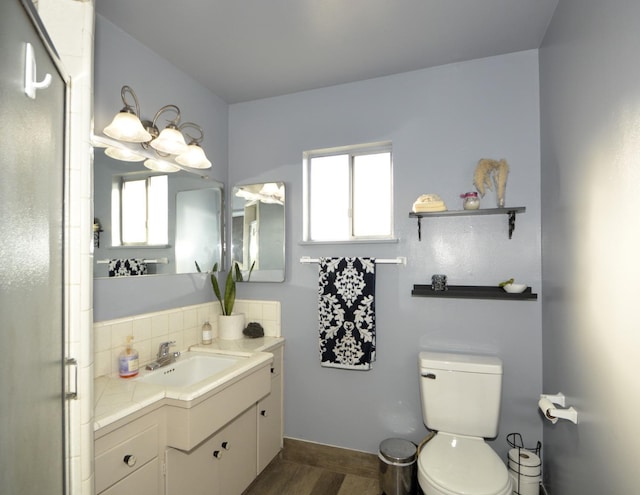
(126, 458)
(145, 481)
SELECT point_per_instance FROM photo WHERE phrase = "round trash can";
(397, 467)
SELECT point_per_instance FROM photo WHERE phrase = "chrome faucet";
(164, 357)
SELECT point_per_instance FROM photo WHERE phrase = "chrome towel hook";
(31, 85)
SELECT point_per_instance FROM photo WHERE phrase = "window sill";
(356, 241)
(141, 246)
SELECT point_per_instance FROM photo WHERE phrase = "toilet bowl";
(458, 465)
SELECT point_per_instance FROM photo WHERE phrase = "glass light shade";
(243, 193)
(123, 155)
(127, 127)
(170, 141)
(270, 189)
(194, 157)
(161, 166)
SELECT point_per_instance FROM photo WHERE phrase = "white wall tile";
(102, 338)
(190, 317)
(160, 325)
(141, 329)
(103, 366)
(184, 325)
(176, 320)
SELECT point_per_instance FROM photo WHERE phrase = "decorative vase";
(230, 327)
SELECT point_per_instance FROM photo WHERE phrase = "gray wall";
(590, 111)
(120, 60)
(440, 121)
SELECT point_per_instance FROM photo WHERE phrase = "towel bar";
(401, 260)
(162, 261)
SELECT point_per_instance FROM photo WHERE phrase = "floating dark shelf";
(510, 211)
(472, 292)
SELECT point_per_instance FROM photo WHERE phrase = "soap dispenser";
(128, 361)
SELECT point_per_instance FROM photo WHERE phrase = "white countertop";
(116, 398)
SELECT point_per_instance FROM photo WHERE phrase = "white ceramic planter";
(230, 327)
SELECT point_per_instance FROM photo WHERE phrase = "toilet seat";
(459, 465)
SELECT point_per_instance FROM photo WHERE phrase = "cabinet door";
(144, 481)
(237, 467)
(196, 472)
(225, 464)
(270, 425)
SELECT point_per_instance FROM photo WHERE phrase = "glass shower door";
(32, 157)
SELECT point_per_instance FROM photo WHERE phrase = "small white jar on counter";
(207, 333)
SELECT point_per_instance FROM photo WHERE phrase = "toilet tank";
(461, 393)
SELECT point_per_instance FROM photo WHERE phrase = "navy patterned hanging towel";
(346, 311)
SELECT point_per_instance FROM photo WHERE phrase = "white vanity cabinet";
(212, 443)
(128, 458)
(224, 464)
(270, 415)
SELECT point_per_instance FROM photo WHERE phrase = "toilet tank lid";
(470, 363)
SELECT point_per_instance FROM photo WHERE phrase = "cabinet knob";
(264, 413)
(130, 460)
(273, 370)
(226, 446)
(217, 454)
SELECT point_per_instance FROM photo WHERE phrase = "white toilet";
(461, 401)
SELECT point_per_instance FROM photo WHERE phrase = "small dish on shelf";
(515, 288)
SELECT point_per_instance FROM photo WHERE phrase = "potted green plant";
(230, 325)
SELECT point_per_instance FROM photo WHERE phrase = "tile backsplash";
(184, 325)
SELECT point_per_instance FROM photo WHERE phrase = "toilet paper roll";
(545, 406)
(524, 462)
(524, 487)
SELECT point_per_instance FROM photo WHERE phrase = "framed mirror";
(154, 223)
(258, 230)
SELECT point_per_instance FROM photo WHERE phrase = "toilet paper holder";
(547, 405)
(515, 442)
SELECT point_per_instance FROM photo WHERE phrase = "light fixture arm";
(192, 140)
(172, 123)
(127, 107)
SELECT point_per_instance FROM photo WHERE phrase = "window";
(348, 193)
(139, 211)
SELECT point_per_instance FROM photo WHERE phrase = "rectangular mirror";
(175, 220)
(258, 230)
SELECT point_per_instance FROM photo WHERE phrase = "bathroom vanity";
(151, 440)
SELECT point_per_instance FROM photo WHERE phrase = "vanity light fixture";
(169, 144)
(271, 189)
(264, 193)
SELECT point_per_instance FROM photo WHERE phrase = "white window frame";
(117, 212)
(351, 151)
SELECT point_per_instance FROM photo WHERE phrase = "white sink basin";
(190, 368)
